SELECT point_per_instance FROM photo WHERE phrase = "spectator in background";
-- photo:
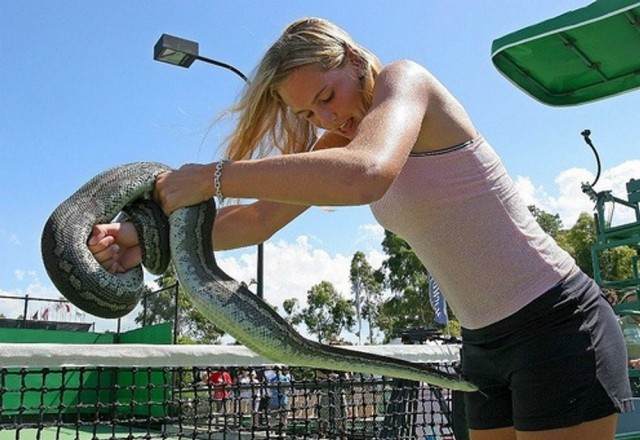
(245, 393)
(278, 395)
(219, 382)
(257, 394)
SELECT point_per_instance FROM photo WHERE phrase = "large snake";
(227, 303)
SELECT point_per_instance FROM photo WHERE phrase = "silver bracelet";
(216, 182)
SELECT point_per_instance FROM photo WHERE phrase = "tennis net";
(134, 391)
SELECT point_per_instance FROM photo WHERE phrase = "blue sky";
(80, 93)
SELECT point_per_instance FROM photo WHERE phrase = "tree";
(408, 280)
(615, 263)
(292, 310)
(327, 313)
(578, 241)
(367, 291)
(551, 224)
(192, 325)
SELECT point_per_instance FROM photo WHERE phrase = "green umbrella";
(580, 56)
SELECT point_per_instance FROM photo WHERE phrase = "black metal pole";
(26, 309)
(144, 309)
(176, 314)
(223, 65)
(260, 279)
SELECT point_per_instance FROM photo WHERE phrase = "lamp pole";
(180, 52)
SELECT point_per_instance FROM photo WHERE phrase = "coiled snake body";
(227, 303)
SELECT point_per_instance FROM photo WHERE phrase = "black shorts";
(558, 362)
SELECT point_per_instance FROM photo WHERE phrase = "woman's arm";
(245, 225)
(116, 246)
(359, 173)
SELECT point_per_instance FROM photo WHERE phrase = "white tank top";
(461, 214)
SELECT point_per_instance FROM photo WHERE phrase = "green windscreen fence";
(152, 334)
(578, 57)
(79, 391)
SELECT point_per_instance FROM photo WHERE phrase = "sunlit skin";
(328, 100)
(410, 112)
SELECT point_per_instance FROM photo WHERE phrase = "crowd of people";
(264, 396)
(259, 395)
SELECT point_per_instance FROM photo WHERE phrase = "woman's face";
(329, 99)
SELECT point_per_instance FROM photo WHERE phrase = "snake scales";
(227, 303)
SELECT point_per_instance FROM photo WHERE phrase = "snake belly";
(227, 303)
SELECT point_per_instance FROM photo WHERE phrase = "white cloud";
(20, 274)
(567, 198)
(291, 269)
(370, 233)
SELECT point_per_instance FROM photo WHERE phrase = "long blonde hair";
(265, 124)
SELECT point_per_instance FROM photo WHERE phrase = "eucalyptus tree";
(326, 314)
(367, 293)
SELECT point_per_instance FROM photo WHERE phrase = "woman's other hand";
(115, 246)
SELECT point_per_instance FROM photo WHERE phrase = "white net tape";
(147, 355)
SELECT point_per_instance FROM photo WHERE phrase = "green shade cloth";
(578, 57)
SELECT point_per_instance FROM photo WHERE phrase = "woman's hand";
(115, 246)
(186, 186)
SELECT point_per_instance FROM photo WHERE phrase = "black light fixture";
(174, 50)
(181, 52)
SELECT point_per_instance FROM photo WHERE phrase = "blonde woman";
(540, 340)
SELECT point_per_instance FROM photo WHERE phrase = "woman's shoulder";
(406, 68)
(407, 76)
(445, 120)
